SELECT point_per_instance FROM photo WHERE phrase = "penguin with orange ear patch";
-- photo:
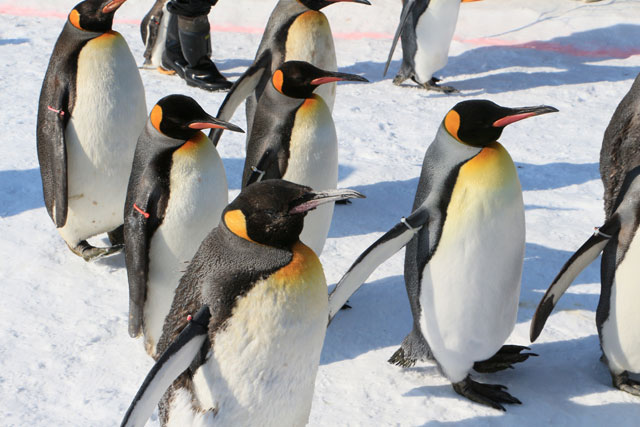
(465, 249)
(177, 190)
(294, 138)
(91, 111)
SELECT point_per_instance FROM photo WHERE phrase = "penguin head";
(272, 212)
(181, 117)
(479, 122)
(319, 4)
(94, 15)
(298, 79)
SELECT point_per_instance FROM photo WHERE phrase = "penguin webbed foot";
(116, 237)
(505, 358)
(624, 383)
(492, 395)
(433, 85)
(400, 359)
(91, 253)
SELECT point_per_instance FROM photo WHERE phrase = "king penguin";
(427, 28)
(177, 191)
(294, 138)
(617, 315)
(296, 30)
(465, 250)
(242, 342)
(91, 111)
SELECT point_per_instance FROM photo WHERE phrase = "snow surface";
(65, 356)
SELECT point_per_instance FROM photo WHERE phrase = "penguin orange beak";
(517, 114)
(313, 199)
(213, 123)
(337, 77)
(112, 6)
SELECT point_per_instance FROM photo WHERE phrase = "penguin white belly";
(313, 161)
(434, 32)
(161, 38)
(263, 364)
(198, 194)
(310, 39)
(621, 331)
(109, 114)
(471, 286)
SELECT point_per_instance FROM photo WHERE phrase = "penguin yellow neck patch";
(193, 143)
(156, 117)
(452, 123)
(74, 19)
(304, 262)
(277, 80)
(237, 223)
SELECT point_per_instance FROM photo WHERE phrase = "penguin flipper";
(175, 360)
(52, 151)
(387, 245)
(259, 170)
(144, 212)
(407, 7)
(241, 89)
(571, 269)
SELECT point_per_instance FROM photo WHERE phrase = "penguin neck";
(81, 33)
(446, 139)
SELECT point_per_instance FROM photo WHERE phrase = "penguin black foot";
(91, 253)
(505, 358)
(433, 85)
(116, 237)
(624, 383)
(399, 79)
(486, 394)
(400, 359)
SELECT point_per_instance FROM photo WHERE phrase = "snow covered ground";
(65, 356)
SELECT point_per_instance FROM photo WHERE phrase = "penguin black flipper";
(143, 213)
(387, 245)
(259, 169)
(407, 8)
(53, 116)
(241, 89)
(173, 361)
(572, 268)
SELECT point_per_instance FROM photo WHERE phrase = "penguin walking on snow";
(177, 190)
(242, 342)
(296, 30)
(465, 249)
(294, 138)
(617, 316)
(427, 28)
(91, 111)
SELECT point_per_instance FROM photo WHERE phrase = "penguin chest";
(471, 286)
(263, 363)
(434, 31)
(620, 333)
(313, 161)
(197, 195)
(108, 116)
(310, 39)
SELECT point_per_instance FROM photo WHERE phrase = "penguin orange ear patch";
(237, 223)
(452, 123)
(278, 79)
(156, 117)
(74, 18)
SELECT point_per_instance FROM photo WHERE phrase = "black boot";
(195, 41)
(172, 58)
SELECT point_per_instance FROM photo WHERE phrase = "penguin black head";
(319, 4)
(181, 117)
(298, 79)
(94, 15)
(479, 122)
(272, 212)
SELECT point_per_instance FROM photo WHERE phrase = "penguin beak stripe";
(113, 5)
(313, 200)
(511, 119)
(338, 77)
(322, 80)
(207, 125)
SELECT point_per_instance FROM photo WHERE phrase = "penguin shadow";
(386, 203)
(225, 65)
(549, 176)
(20, 191)
(13, 41)
(574, 59)
(233, 167)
